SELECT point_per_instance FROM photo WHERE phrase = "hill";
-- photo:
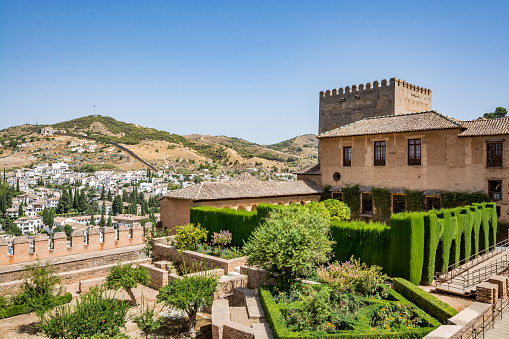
(22, 145)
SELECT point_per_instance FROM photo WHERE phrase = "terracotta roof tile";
(244, 189)
(482, 127)
(313, 170)
(409, 122)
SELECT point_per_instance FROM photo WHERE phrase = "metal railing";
(482, 325)
(464, 265)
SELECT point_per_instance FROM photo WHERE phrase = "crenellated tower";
(346, 105)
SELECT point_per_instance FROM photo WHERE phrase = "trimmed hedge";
(371, 242)
(407, 245)
(239, 223)
(431, 239)
(362, 323)
(23, 309)
(427, 302)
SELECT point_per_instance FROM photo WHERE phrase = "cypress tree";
(92, 219)
(110, 198)
(102, 222)
(20, 211)
(110, 222)
(17, 185)
(103, 194)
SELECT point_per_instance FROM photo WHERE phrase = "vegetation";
(127, 277)
(188, 236)
(290, 243)
(500, 112)
(188, 294)
(147, 320)
(94, 313)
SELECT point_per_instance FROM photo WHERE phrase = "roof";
(409, 122)
(244, 189)
(313, 170)
(482, 127)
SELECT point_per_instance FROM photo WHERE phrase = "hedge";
(427, 302)
(407, 245)
(239, 223)
(371, 242)
(431, 239)
(362, 322)
(22, 309)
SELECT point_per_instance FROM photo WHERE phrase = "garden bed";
(165, 251)
(391, 316)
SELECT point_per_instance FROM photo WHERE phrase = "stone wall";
(344, 106)
(26, 249)
(167, 252)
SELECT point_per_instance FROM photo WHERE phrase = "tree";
(21, 213)
(500, 112)
(17, 185)
(110, 198)
(117, 205)
(102, 222)
(92, 218)
(110, 223)
(338, 210)
(292, 242)
(188, 294)
(127, 277)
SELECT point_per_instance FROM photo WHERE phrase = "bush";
(291, 243)
(96, 312)
(188, 236)
(338, 210)
(433, 306)
(127, 277)
(188, 294)
(407, 245)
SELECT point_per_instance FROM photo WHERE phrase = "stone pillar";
(41, 246)
(123, 236)
(501, 282)
(60, 244)
(94, 243)
(138, 237)
(20, 249)
(4, 260)
(486, 293)
(77, 242)
(109, 238)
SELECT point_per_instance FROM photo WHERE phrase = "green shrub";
(188, 236)
(431, 239)
(382, 204)
(414, 201)
(93, 313)
(433, 306)
(407, 245)
(127, 277)
(369, 242)
(448, 235)
(291, 242)
(351, 196)
(338, 210)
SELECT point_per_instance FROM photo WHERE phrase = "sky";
(248, 69)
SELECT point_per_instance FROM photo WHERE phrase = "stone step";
(233, 274)
(237, 269)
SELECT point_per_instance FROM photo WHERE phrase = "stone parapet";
(487, 293)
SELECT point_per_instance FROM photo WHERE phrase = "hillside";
(23, 145)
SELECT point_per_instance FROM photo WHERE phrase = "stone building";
(245, 193)
(425, 151)
(344, 106)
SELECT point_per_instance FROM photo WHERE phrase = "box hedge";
(431, 239)
(407, 245)
(427, 302)
(14, 310)
(362, 326)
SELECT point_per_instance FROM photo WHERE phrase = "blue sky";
(249, 69)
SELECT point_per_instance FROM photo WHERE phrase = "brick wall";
(28, 249)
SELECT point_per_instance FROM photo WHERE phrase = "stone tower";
(344, 106)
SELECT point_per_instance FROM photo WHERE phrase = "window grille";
(494, 154)
(398, 203)
(433, 203)
(367, 203)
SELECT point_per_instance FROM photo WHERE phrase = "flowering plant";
(222, 238)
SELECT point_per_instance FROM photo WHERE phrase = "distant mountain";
(157, 146)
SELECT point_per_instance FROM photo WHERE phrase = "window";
(494, 154)
(367, 203)
(414, 151)
(495, 189)
(432, 203)
(379, 153)
(347, 156)
(337, 196)
(398, 203)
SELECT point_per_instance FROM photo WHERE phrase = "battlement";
(342, 106)
(24, 248)
(368, 88)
